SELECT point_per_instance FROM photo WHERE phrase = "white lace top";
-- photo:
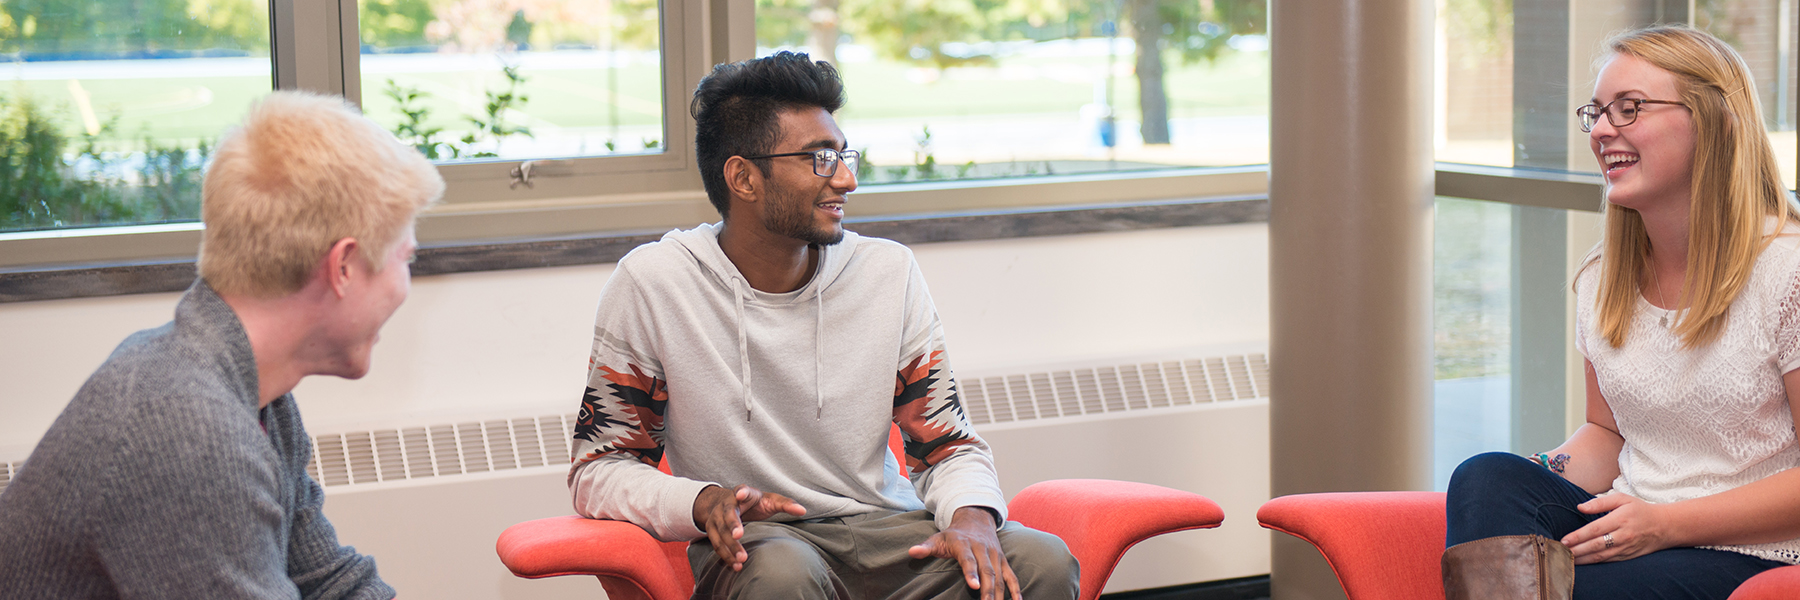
(1699, 422)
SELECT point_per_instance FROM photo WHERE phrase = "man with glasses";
(769, 355)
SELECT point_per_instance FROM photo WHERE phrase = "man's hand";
(722, 514)
(972, 541)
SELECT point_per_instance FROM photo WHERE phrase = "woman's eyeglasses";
(1620, 113)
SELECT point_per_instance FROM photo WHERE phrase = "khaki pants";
(863, 557)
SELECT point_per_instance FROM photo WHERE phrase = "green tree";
(58, 26)
(1484, 26)
(917, 30)
(795, 22)
(783, 22)
(1199, 32)
(36, 188)
(394, 23)
(518, 31)
(169, 182)
(45, 183)
(484, 25)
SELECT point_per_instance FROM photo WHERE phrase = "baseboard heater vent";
(382, 455)
(363, 457)
(440, 450)
(1113, 389)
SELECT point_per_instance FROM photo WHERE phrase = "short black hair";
(736, 107)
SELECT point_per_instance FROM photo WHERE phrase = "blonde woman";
(1680, 485)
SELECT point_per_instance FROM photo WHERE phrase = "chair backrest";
(676, 552)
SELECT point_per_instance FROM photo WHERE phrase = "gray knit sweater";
(162, 479)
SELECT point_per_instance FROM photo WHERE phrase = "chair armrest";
(619, 553)
(1773, 584)
(1380, 544)
(1100, 519)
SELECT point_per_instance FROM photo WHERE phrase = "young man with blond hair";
(178, 470)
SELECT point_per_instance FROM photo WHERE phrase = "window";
(580, 103)
(590, 133)
(1511, 75)
(1498, 62)
(985, 90)
(1472, 331)
(111, 106)
(466, 81)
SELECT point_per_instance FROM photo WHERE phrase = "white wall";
(474, 345)
(471, 344)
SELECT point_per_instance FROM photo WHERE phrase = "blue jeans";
(1498, 494)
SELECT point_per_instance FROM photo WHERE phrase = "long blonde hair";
(1736, 185)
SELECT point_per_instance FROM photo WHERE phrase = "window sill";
(173, 275)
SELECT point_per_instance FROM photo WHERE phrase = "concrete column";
(1351, 180)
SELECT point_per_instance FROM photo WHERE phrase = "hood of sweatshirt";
(702, 243)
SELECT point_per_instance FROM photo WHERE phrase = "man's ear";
(339, 260)
(743, 179)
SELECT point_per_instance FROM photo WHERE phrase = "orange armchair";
(1381, 545)
(1098, 519)
(1387, 545)
(1773, 584)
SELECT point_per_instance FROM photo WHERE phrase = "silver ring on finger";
(1607, 539)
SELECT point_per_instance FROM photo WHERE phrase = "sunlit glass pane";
(465, 80)
(1505, 65)
(967, 90)
(112, 106)
(1472, 330)
(1475, 99)
(1763, 32)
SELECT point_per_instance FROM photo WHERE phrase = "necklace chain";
(1657, 283)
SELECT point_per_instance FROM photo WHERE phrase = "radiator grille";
(441, 450)
(1118, 388)
(466, 447)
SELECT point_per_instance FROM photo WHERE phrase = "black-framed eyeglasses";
(1620, 112)
(825, 161)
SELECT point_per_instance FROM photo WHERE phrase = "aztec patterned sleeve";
(949, 464)
(619, 432)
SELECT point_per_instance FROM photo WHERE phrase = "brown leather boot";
(1509, 567)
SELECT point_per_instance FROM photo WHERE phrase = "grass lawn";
(1236, 85)
(187, 109)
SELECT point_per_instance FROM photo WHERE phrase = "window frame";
(643, 192)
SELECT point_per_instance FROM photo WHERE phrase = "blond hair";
(302, 172)
(1736, 186)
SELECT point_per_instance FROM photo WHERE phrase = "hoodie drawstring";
(737, 291)
(819, 354)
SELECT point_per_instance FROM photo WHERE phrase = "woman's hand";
(1634, 528)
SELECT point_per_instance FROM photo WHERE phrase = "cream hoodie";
(790, 393)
